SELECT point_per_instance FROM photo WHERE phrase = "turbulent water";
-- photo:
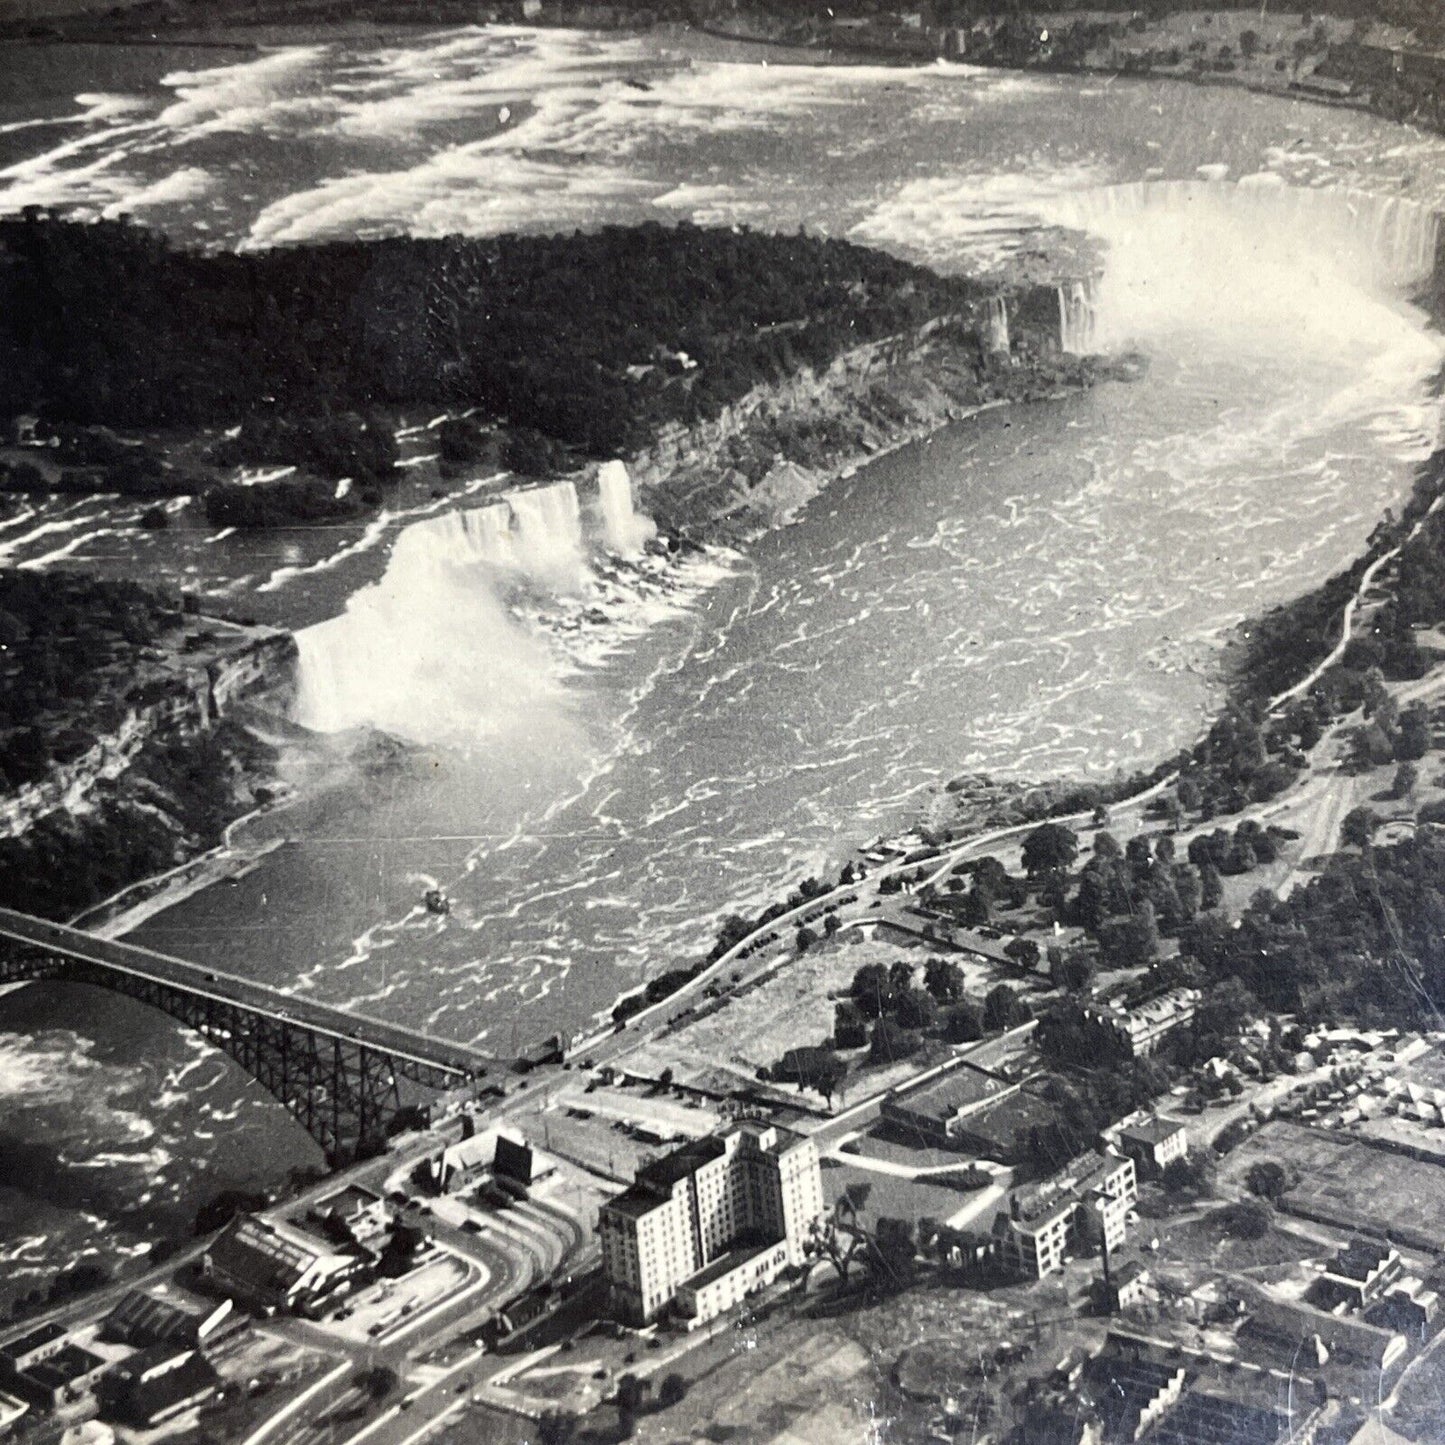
(610, 749)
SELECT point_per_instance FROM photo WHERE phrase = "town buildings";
(1085, 1205)
(156, 1385)
(270, 1265)
(709, 1223)
(1153, 1143)
(1368, 1278)
(1138, 1028)
(46, 1367)
(938, 1111)
(142, 1320)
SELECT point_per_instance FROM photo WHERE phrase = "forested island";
(592, 340)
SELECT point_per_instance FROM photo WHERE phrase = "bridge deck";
(256, 998)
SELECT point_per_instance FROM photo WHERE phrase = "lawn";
(1350, 1184)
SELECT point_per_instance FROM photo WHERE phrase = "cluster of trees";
(1367, 937)
(77, 1279)
(342, 445)
(287, 502)
(889, 1013)
(569, 336)
(63, 635)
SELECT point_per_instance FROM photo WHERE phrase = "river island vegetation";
(592, 340)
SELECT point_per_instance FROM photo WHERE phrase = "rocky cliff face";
(183, 701)
(768, 454)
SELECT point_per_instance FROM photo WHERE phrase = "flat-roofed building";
(357, 1208)
(1085, 1205)
(32, 1347)
(750, 1184)
(156, 1385)
(1152, 1143)
(1358, 1275)
(936, 1111)
(67, 1374)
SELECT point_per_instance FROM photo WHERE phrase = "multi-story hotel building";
(711, 1222)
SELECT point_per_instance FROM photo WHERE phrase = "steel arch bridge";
(338, 1073)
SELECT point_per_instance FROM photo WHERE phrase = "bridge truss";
(342, 1088)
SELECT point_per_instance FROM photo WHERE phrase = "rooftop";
(998, 1124)
(635, 1201)
(661, 1174)
(725, 1264)
(140, 1316)
(36, 1339)
(962, 1088)
(350, 1200)
(1078, 1178)
(1360, 1259)
(1153, 1130)
(72, 1363)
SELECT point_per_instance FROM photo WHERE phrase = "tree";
(1192, 1174)
(1359, 826)
(831, 925)
(1249, 43)
(894, 1249)
(1211, 887)
(1003, 1009)
(631, 1392)
(1267, 1179)
(1024, 952)
(871, 990)
(1406, 776)
(806, 939)
(379, 1381)
(915, 1009)
(943, 979)
(850, 1027)
(1049, 846)
(672, 1391)
(1248, 1219)
(890, 1043)
(556, 1427)
(1075, 970)
(963, 1023)
(900, 976)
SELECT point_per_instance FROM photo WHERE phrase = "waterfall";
(433, 651)
(1243, 263)
(1077, 316)
(429, 651)
(623, 527)
(489, 530)
(996, 331)
(549, 535)
(1376, 240)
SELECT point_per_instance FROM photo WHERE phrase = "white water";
(1245, 265)
(430, 651)
(1078, 316)
(450, 644)
(996, 325)
(625, 529)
